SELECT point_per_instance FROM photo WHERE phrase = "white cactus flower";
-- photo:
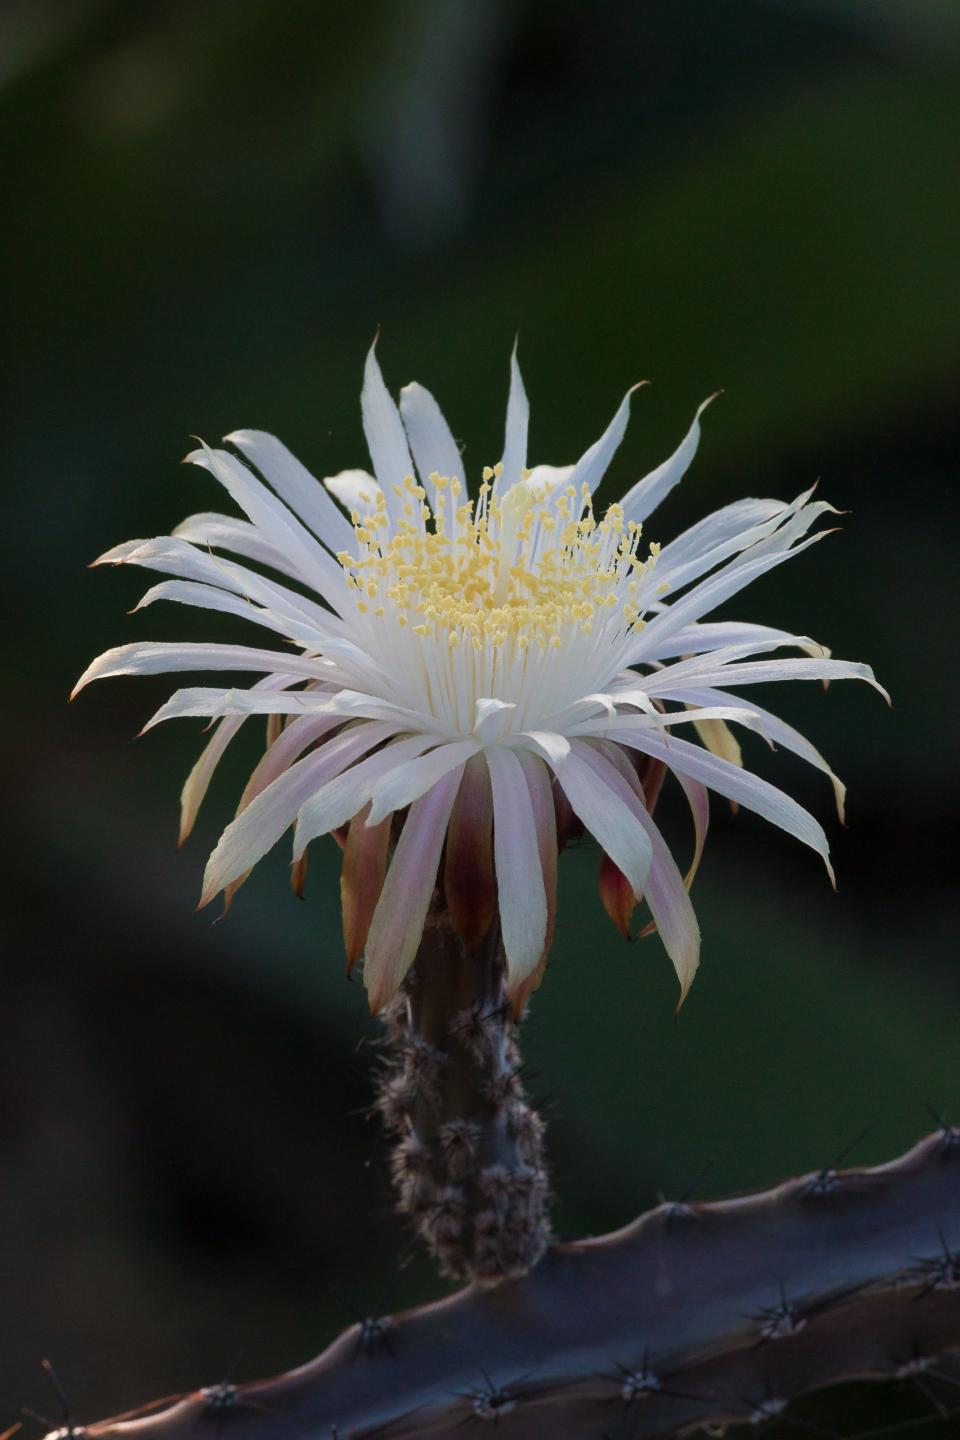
(463, 683)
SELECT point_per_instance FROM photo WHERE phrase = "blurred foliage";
(209, 208)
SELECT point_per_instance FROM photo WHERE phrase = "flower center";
(531, 568)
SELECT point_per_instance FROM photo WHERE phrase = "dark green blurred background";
(209, 207)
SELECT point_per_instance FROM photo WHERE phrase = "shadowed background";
(209, 208)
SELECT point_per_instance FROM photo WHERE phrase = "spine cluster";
(467, 1157)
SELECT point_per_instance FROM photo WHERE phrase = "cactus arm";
(700, 1313)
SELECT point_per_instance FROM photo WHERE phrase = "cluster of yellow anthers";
(529, 568)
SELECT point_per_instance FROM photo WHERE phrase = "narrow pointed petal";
(541, 791)
(592, 465)
(522, 899)
(151, 657)
(386, 437)
(469, 886)
(397, 925)
(748, 790)
(434, 448)
(780, 733)
(361, 880)
(340, 800)
(408, 781)
(225, 532)
(277, 523)
(665, 893)
(295, 485)
(696, 639)
(355, 490)
(611, 823)
(761, 672)
(260, 825)
(647, 494)
(517, 425)
(198, 781)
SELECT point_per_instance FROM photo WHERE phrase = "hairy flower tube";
(457, 684)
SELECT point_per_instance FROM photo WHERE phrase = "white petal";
(720, 526)
(515, 431)
(198, 781)
(434, 448)
(174, 555)
(356, 490)
(386, 438)
(213, 702)
(493, 719)
(398, 920)
(762, 672)
(718, 634)
(550, 477)
(548, 744)
(665, 892)
(258, 828)
(647, 494)
(224, 532)
(592, 465)
(149, 657)
(295, 485)
(708, 595)
(608, 819)
(406, 783)
(779, 732)
(522, 898)
(210, 597)
(277, 524)
(345, 796)
(738, 785)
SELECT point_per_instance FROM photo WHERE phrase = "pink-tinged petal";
(337, 803)
(665, 893)
(751, 792)
(198, 781)
(780, 733)
(361, 880)
(698, 800)
(295, 485)
(260, 825)
(406, 782)
(611, 823)
(398, 920)
(521, 895)
(541, 791)
(469, 886)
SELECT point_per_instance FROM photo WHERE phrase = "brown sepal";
(469, 885)
(361, 879)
